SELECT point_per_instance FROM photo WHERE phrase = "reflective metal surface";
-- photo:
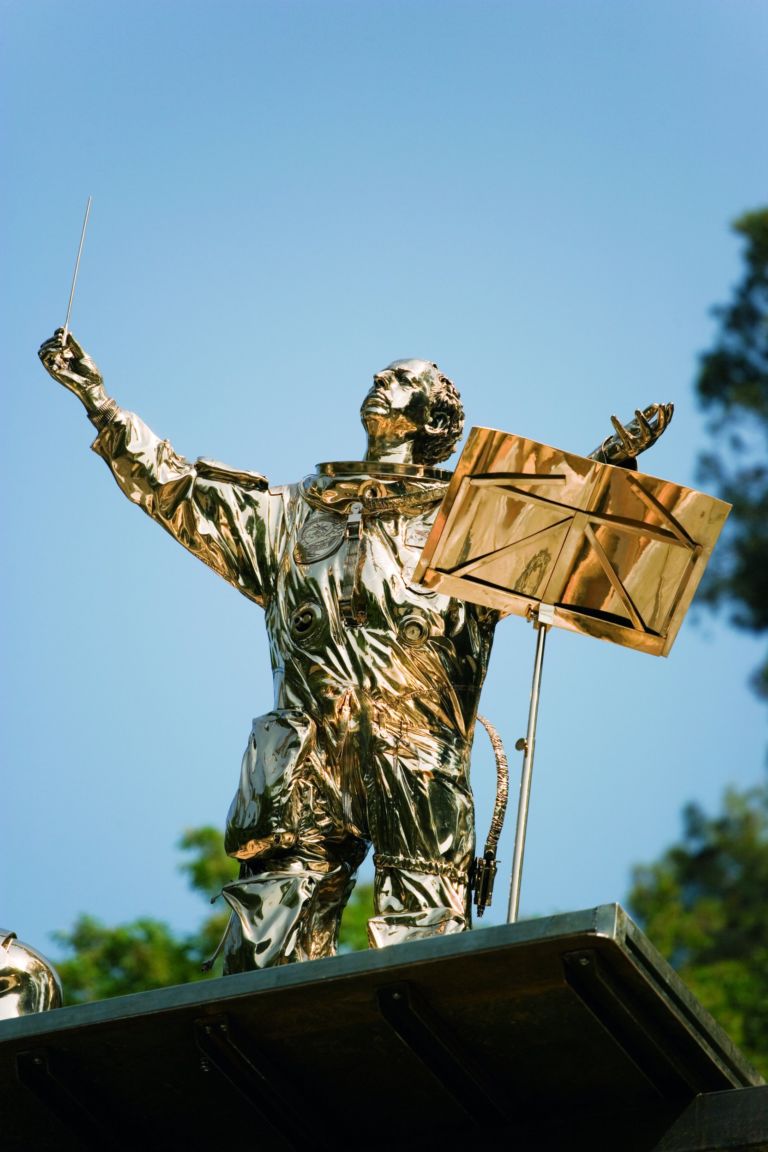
(543, 616)
(619, 554)
(28, 983)
(485, 867)
(628, 441)
(377, 677)
(377, 683)
(377, 680)
(571, 1027)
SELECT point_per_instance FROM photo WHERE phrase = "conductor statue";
(376, 679)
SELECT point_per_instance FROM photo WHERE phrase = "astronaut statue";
(376, 679)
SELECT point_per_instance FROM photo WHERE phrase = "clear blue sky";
(287, 196)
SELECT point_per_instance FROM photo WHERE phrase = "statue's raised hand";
(65, 360)
(634, 437)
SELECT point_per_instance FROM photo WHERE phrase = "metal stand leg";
(542, 621)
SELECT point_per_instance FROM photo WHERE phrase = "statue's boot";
(414, 903)
(283, 915)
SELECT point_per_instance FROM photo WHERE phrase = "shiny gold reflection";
(619, 554)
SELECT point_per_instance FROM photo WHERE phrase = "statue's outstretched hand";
(634, 437)
(65, 360)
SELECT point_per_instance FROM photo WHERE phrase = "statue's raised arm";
(219, 514)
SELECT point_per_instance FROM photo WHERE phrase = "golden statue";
(377, 679)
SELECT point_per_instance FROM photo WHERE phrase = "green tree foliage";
(703, 905)
(133, 957)
(732, 386)
(102, 961)
(354, 925)
(206, 867)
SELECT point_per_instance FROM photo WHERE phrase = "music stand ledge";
(569, 1031)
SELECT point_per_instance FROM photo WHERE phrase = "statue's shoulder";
(214, 470)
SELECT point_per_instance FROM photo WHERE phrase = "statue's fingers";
(662, 413)
(51, 349)
(622, 433)
(50, 354)
(53, 343)
(644, 424)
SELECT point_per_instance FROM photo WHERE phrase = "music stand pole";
(543, 617)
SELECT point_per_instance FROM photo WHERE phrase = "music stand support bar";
(543, 618)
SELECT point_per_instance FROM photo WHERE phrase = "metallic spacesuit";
(377, 680)
(377, 684)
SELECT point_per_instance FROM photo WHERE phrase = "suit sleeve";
(226, 525)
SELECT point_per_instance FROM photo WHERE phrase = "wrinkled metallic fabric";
(377, 683)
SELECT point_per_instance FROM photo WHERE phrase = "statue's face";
(398, 404)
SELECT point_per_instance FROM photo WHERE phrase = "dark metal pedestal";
(564, 1032)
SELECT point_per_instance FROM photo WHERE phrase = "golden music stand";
(531, 530)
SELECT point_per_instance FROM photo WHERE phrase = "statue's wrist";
(100, 407)
(614, 451)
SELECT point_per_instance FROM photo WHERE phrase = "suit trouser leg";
(289, 910)
(288, 906)
(422, 825)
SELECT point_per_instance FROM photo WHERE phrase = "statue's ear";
(438, 422)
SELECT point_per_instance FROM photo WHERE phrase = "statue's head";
(412, 412)
(28, 983)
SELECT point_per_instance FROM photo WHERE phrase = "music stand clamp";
(530, 530)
